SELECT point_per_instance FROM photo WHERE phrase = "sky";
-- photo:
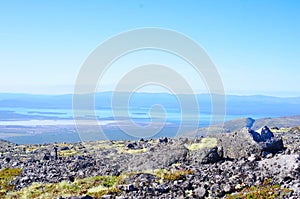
(255, 45)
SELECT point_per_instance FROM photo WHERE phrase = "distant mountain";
(281, 122)
(235, 105)
(237, 124)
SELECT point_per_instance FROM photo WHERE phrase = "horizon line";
(156, 92)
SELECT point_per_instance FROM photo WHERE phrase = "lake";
(35, 126)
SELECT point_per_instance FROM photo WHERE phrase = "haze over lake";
(49, 118)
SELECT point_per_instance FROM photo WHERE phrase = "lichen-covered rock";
(238, 144)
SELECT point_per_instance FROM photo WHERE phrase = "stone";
(281, 167)
(87, 197)
(266, 134)
(200, 192)
(163, 140)
(238, 144)
(227, 188)
(273, 145)
(266, 154)
(65, 148)
(46, 157)
(206, 155)
(129, 187)
(163, 188)
(106, 196)
(160, 156)
(80, 158)
(216, 191)
(243, 143)
(7, 159)
(130, 146)
(252, 158)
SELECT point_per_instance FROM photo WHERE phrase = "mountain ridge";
(248, 122)
(235, 105)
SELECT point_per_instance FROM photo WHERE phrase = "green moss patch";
(6, 176)
(94, 186)
(67, 153)
(204, 143)
(172, 175)
(260, 192)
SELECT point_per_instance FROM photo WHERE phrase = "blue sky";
(254, 44)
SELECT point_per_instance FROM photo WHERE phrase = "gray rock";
(281, 167)
(160, 156)
(200, 192)
(247, 142)
(227, 188)
(206, 155)
(216, 191)
(238, 144)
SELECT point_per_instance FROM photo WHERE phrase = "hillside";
(241, 164)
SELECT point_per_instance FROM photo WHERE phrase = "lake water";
(35, 126)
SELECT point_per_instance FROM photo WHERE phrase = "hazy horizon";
(279, 95)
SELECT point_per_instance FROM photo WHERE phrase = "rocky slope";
(230, 165)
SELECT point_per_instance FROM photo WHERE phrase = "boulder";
(281, 167)
(246, 142)
(239, 144)
(204, 151)
(273, 145)
(158, 157)
(268, 142)
(266, 134)
(206, 155)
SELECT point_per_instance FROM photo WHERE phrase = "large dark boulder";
(272, 145)
(266, 134)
